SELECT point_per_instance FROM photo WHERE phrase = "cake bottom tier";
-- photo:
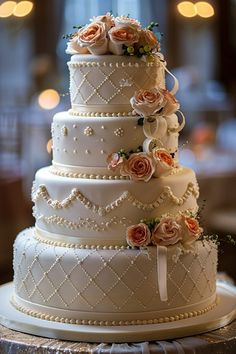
(111, 285)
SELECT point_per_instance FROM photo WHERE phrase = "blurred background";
(199, 44)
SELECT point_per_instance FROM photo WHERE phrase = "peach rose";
(171, 104)
(139, 167)
(191, 229)
(93, 37)
(167, 232)
(114, 160)
(164, 161)
(108, 19)
(74, 47)
(120, 36)
(138, 235)
(147, 37)
(125, 21)
(147, 102)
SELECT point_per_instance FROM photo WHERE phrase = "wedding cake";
(117, 240)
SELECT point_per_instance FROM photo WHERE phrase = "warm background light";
(7, 8)
(48, 99)
(187, 9)
(49, 146)
(23, 8)
(204, 9)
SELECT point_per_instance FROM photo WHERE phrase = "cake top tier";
(113, 57)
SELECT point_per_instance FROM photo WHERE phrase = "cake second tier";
(96, 211)
(81, 144)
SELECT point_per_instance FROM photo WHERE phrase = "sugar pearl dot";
(87, 152)
(75, 138)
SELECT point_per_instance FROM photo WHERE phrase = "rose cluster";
(116, 35)
(157, 101)
(164, 232)
(142, 166)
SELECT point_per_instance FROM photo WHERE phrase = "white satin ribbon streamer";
(176, 82)
(162, 272)
(156, 128)
(181, 125)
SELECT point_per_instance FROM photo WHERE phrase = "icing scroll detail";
(75, 194)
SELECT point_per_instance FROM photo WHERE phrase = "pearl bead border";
(79, 246)
(101, 114)
(63, 173)
(90, 64)
(48, 317)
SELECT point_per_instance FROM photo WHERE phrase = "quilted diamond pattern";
(108, 280)
(102, 84)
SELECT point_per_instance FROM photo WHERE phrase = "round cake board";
(219, 316)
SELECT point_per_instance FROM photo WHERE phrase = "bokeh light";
(23, 8)
(49, 146)
(48, 99)
(204, 9)
(7, 8)
(187, 9)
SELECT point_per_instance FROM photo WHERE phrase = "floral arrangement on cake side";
(166, 231)
(141, 166)
(121, 35)
(145, 162)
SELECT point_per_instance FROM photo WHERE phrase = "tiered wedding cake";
(117, 240)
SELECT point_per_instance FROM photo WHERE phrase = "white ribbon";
(162, 272)
(156, 128)
(176, 82)
(180, 126)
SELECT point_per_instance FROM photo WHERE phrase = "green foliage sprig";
(126, 154)
(151, 223)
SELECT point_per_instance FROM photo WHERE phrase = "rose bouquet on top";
(166, 231)
(141, 166)
(120, 35)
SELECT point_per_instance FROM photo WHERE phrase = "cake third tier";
(98, 211)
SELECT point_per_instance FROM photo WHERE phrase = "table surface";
(221, 341)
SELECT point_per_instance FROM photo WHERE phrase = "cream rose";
(125, 21)
(147, 102)
(167, 232)
(114, 160)
(191, 229)
(138, 235)
(108, 19)
(120, 36)
(93, 37)
(148, 38)
(164, 162)
(171, 104)
(139, 167)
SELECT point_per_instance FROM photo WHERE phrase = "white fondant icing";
(95, 81)
(61, 202)
(102, 138)
(113, 283)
